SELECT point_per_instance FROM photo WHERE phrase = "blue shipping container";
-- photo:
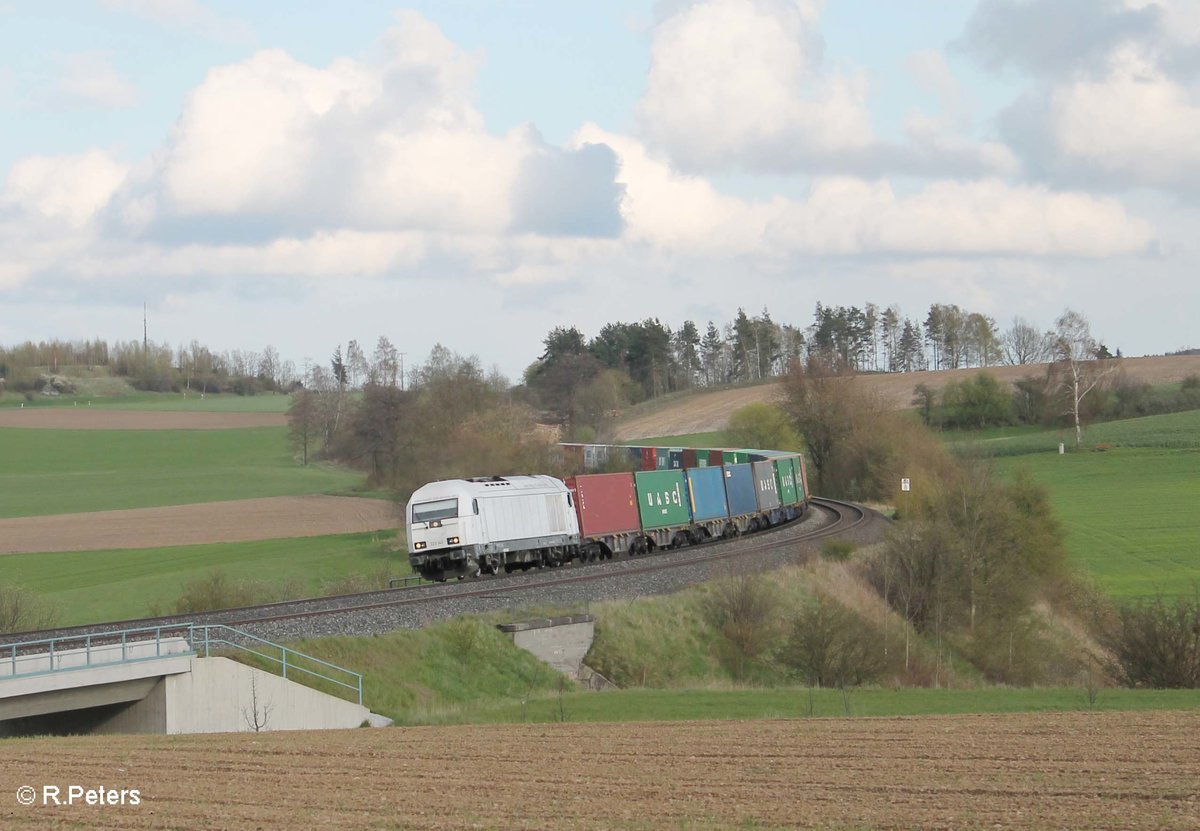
(739, 489)
(707, 488)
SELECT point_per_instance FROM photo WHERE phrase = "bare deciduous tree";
(1024, 344)
(21, 609)
(1080, 370)
(257, 717)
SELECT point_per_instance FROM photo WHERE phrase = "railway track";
(338, 614)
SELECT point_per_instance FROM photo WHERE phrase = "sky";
(475, 173)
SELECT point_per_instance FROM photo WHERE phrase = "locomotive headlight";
(452, 541)
(418, 545)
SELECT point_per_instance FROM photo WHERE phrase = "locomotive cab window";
(431, 511)
(475, 506)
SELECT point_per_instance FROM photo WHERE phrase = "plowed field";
(706, 412)
(270, 518)
(1062, 771)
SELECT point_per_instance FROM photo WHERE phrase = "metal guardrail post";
(124, 652)
(52, 656)
(14, 661)
(89, 650)
(285, 652)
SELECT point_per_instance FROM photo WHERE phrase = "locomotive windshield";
(440, 509)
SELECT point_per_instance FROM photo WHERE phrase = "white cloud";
(1181, 18)
(70, 188)
(850, 216)
(393, 144)
(90, 78)
(1135, 122)
(739, 83)
(845, 216)
(185, 14)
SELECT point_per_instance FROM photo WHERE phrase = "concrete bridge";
(168, 680)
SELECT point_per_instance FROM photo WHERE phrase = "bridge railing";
(148, 643)
(294, 665)
(98, 649)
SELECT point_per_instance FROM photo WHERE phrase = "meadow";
(97, 586)
(129, 399)
(69, 471)
(1127, 501)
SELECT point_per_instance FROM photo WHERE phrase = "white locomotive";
(464, 527)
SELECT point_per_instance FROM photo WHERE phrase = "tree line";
(577, 380)
(156, 367)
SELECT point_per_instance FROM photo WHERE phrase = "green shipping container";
(799, 471)
(701, 458)
(663, 498)
(785, 478)
(736, 457)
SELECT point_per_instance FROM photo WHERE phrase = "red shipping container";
(689, 457)
(649, 458)
(606, 503)
(715, 458)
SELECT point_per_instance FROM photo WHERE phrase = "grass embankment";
(69, 471)
(1128, 508)
(465, 671)
(98, 586)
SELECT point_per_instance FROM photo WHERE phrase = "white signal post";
(905, 487)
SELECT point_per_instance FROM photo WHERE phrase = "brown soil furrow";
(1039, 771)
(208, 522)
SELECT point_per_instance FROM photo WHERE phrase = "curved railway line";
(413, 606)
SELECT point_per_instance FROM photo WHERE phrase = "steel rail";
(847, 516)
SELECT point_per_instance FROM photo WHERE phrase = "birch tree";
(1079, 370)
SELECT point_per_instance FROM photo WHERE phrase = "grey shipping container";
(765, 486)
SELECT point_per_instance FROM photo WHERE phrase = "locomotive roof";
(487, 486)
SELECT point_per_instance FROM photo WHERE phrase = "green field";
(69, 471)
(97, 586)
(1130, 509)
(128, 399)
(800, 702)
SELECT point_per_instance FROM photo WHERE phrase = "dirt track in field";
(1042, 771)
(208, 522)
(706, 412)
(96, 418)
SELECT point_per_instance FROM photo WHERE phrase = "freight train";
(500, 524)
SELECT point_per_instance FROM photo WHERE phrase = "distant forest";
(50, 366)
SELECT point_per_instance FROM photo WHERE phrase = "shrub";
(742, 609)
(980, 401)
(837, 550)
(217, 590)
(1156, 643)
(828, 645)
(22, 610)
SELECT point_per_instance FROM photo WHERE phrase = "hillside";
(703, 411)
